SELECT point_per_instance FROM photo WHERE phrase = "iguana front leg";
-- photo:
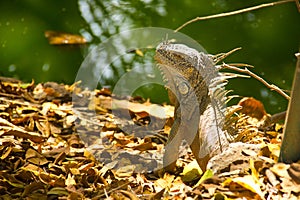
(176, 136)
(185, 127)
(172, 147)
(195, 147)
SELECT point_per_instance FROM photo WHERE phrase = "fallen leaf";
(254, 173)
(36, 158)
(191, 172)
(280, 169)
(59, 191)
(70, 180)
(32, 187)
(60, 38)
(6, 152)
(272, 178)
(125, 171)
(287, 185)
(252, 107)
(247, 182)
(207, 174)
(164, 182)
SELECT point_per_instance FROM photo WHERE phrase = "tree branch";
(246, 71)
(237, 12)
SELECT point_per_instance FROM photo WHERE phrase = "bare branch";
(246, 71)
(237, 12)
(221, 56)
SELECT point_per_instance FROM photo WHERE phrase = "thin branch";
(246, 71)
(237, 12)
(222, 56)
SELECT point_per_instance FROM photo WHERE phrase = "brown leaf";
(125, 171)
(11, 179)
(32, 187)
(24, 134)
(252, 107)
(145, 145)
(59, 191)
(60, 38)
(75, 142)
(36, 158)
(52, 179)
(60, 157)
(6, 152)
(247, 182)
(129, 194)
(11, 129)
(43, 127)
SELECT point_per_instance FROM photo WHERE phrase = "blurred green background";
(269, 37)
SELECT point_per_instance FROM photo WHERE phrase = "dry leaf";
(252, 107)
(247, 182)
(36, 158)
(70, 180)
(207, 174)
(125, 171)
(191, 171)
(59, 38)
(280, 169)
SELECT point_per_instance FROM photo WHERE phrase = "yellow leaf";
(249, 183)
(191, 171)
(207, 174)
(70, 180)
(139, 52)
(165, 182)
(274, 149)
(254, 173)
(278, 127)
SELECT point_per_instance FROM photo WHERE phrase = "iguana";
(195, 87)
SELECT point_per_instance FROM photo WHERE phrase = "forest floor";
(61, 142)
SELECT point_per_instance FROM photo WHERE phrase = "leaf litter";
(50, 152)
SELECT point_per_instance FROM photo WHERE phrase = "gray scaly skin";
(195, 88)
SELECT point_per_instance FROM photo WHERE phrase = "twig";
(221, 56)
(106, 193)
(237, 12)
(246, 71)
(23, 103)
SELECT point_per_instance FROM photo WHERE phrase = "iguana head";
(185, 71)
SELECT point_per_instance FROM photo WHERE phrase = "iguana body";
(195, 87)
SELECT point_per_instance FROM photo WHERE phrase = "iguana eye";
(183, 88)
